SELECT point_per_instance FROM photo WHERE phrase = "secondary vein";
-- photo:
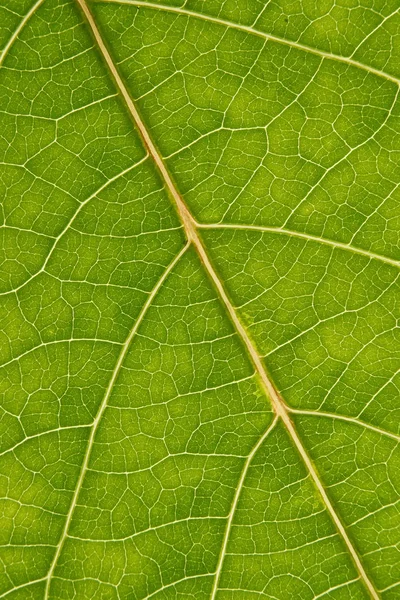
(348, 419)
(305, 236)
(248, 29)
(68, 225)
(100, 412)
(234, 505)
(18, 30)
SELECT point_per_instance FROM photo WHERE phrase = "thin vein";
(155, 528)
(305, 236)
(374, 30)
(336, 587)
(193, 237)
(293, 549)
(339, 417)
(103, 405)
(18, 30)
(170, 585)
(23, 585)
(345, 158)
(235, 501)
(372, 515)
(54, 343)
(231, 24)
(390, 587)
(72, 219)
(42, 434)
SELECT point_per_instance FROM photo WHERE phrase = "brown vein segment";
(193, 237)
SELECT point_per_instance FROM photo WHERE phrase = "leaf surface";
(200, 254)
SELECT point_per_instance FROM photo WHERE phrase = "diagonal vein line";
(281, 411)
(18, 30)
(174, 583)
(248, 29)
(193, 237)
(303, 235)
(374, 30)
(70, 223)
(234, 505)
(103, 406)
(23, 585)
(340, 417)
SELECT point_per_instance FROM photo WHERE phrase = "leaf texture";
(200, 255)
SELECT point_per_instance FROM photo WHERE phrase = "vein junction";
(193, 237)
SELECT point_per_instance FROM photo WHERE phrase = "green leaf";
(200, 349)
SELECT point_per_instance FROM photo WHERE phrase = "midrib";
(279, 407)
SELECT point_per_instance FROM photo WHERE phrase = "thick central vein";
(193, 237)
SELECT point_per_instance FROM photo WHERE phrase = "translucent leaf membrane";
(199, 372)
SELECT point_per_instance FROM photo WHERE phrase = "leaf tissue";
(199, 300)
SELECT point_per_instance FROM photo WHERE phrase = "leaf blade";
(165, 575)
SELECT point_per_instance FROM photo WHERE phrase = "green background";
(139, 453)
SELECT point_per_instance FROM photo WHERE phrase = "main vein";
(100, 412)
(193, 237)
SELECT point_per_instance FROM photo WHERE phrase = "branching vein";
(194, 238)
